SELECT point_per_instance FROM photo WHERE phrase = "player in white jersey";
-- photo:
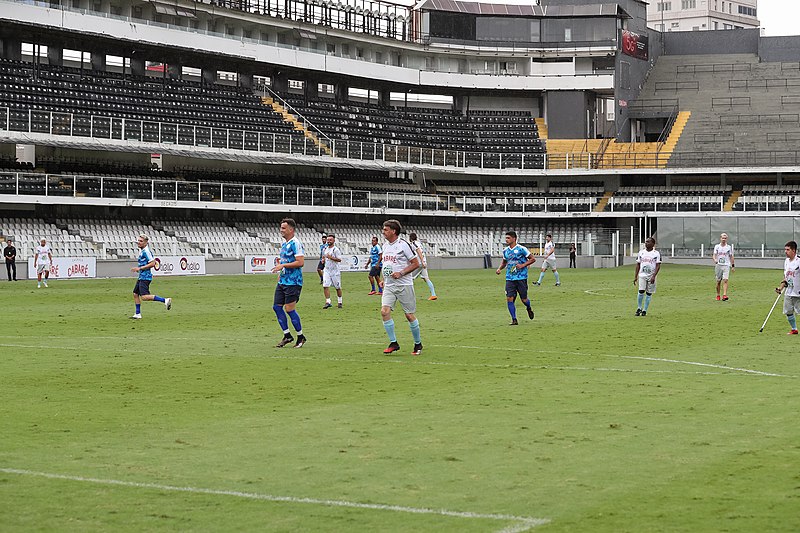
(399, 262)
(791, 282)
(422, 271)
(724, 264)
(41, 262)
(648, 263)
(331, 273)
(549, 260)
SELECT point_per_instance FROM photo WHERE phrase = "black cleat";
(514, 322)
(530, 313)
(339, 306)
(644, 313)
(638, 312)
(393, 347)
(327, 306)
(417, 349)
(301, 340)
(287, 339)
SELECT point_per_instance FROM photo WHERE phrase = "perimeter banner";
(180, 265)
(68, 268)
(262, 264)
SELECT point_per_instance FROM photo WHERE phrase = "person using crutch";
(791, 282)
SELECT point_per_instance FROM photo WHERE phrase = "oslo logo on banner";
(634, 45)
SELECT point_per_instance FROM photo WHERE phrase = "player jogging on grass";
(791, 282)
(321, 264)
(141, 291)
(290, 284)
(42, 260)
(516, 260)
(422, 271)
(374, 262)
(723, 259)
(399, 262)
(549, 260)
(331, 274)
(648, 263)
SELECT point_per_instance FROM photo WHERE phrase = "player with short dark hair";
(374, 261)
(399, 261)
(516, 260)
(321, 264)
(648, 264)
(141, 291)
(791, 282)
(290, 284)
(331, 275)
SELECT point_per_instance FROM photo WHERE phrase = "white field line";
(594, 292)
(730, 370)
(521, 523)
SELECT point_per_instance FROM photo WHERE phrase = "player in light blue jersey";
(141, 291)
(290, 283)
(516, 260)
(321, 264)
(375, 263)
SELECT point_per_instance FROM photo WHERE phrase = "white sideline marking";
(594, 292)
(522, 523)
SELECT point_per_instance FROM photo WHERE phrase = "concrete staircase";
(299, 126)
(572, 153)
(731, 201)
(541, 125)
(603, 202)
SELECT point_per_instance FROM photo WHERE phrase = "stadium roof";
(478, 8)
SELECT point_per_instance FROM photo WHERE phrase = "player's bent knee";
(649, 293)
(277, 308)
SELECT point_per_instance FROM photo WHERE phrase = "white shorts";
(549, 263)
(41, 268)
(646, 286)
(722, 271)
(421, 272)
(400, 293)
(791, 305)
(331, 280)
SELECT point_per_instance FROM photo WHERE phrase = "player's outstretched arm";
(501, 267)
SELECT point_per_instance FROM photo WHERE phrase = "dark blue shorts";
(518, 286)
(320, 265)
(286, 294)
(142, 287)
(375, 272)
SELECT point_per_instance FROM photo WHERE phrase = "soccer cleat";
(432, 298)
(724, 298)
(301, 340)
(168, 303)
(530, 313)
(136, 316)
(287, 339)
(514, 322)
(717, 297)
(793, 332)
(393, 347)
(327, 306)
(638, 312)
(537, 283)
(558, 284)
(417, 349)
(644, 313)
(38, 285)
(45, 284)
(371, 293)
(339, 306)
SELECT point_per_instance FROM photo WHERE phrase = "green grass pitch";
(587, 417)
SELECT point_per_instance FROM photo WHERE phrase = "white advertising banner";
(68, 268)
(354, 263)
(262, 264)
(179, 265)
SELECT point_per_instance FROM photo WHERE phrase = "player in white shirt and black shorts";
(41, 262)
(648, 263)
(791, 282)
(399, 262)
(331, 273)
(724, 264)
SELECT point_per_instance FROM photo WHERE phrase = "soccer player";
(331, 275)
(549, 260)
(141, 291)
(290, 284)
(422, 271)
(648, 263)
(321, 264)
(375, 269)
(723, 259)
(399, 261)
(41, 262)
(791, 281)
(516, 260)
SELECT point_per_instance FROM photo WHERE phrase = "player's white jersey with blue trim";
(791, 272)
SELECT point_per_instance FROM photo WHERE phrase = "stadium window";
(688, 4)
(379, 57)
(664, 6)
(345, 50)
(695, 28)
(660, 27)
(675, 25)
(115, 10)
(716, 25)
(359, 52)
(331, 49)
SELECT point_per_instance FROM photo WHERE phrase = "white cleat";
(45, 284)
(168, 303)
(38, 285)
(137, 316)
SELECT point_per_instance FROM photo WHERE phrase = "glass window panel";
(670, 231)
(696, 232)
(751, 232)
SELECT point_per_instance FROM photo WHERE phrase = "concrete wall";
(631, 76)
(711, 42)
(774, 49)
(566, 114)
(770, 263)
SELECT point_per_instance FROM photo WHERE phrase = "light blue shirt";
(516, 256)
(145, 256)
(290, 251)
(375, 256)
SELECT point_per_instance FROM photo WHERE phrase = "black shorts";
(375, 272)
(286, 294)
(320, 265)
(517, 286)
(142, 287)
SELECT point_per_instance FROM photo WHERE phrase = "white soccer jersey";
(548, 247)
(791, 271)
(332, 267)
(647, 262)
(43, 254)
(416, 245)
(396, 257)
(723, 254)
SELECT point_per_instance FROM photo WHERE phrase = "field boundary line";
(522, 523)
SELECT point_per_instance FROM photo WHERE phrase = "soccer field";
(585, 419)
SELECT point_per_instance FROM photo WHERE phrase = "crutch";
(770, 312)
